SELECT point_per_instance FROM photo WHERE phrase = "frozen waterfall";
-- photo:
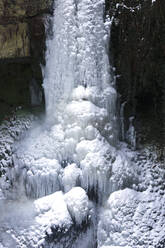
(77, 143)
(73, 157)
(76, 56)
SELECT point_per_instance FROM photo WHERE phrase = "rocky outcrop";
(15, 25)
(23, 8)
(137, 44)
(22, 45)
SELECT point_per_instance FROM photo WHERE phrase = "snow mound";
(27, 223)
(52, 210)
(78, 204)
(132, 218)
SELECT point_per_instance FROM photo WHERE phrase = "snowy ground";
(133, 217)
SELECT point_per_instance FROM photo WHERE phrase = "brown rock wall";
(16, 20)
(14, 40)
(23, 8)
(22, 45)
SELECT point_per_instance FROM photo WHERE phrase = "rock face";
(23, 8)
(22, 45)
(14, 41)
(15, 25)
(137, 44)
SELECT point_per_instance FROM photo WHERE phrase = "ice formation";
(76, 146)
(80, 131)
(71, 176)
(75, 153)
(78, 204)
(12, 130)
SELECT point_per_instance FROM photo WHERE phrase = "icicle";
(122, 120)
(131, 134)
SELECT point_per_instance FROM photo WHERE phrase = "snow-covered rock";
(132, 218)
(11, 131)
(52, 210)
(78, 204)
(44, 221)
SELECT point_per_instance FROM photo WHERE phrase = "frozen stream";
(66, 168)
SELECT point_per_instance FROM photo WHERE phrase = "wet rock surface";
(137, 44)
